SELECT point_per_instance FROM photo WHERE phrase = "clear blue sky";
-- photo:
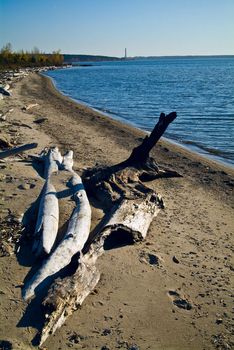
(106, 27)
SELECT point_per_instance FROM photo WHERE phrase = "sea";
(199, 89)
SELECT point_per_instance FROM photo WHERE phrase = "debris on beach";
(30, 106)
(11, 231)
(132, 207)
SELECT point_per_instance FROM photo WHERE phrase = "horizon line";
(158, 56)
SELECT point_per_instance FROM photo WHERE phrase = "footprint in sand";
(149, 258)
(178, 301)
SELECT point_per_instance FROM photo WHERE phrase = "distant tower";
(125, 55)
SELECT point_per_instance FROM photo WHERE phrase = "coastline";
(206, 157)
(133, 294)
(202, 150)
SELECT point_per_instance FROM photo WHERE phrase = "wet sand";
(187, 254)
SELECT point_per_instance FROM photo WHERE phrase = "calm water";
(200, 90)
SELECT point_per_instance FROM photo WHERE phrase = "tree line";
(35, 58)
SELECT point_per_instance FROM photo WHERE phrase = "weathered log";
(72, 243)
(48, 215)
(53, 161)
(135, 206)
(47, 222)
(124, 180)
(134, 216)
(67, 295)
(17, 150)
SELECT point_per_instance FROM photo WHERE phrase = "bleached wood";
(135, 216)
(68, 161)
(47, 222)
(53, 160)
(136, 207)
(48, 215)
(66, 296)
(72, 243)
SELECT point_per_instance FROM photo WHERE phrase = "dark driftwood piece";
(134, 206)
(140, 155)
(124, 180)
(17, 150)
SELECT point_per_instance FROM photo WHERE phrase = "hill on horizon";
(69, 58)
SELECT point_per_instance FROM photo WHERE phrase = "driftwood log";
(125, 180)
(74, 239)
(134, 206)
(48, 215)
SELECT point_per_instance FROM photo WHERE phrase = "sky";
(106, 27)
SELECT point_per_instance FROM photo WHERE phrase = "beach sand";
(186, 255)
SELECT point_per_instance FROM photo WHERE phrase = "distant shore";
(190, 241)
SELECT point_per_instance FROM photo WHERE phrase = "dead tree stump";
(124, 180)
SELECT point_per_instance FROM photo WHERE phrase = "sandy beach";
(187, 253)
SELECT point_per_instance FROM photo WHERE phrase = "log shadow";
(38, 166)
(117, 239)
(24, 255)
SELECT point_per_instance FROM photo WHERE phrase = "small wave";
(207, 149)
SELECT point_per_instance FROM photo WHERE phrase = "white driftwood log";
(68, 161)
(47, 222)
(53, 160)
(72, 243)
(134, 216)
(48, 215)
(65, 296)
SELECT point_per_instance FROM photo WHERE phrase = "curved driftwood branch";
(72, 243)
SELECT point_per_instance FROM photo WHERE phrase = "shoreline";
(206, 157)
(187, 253)
(223, 156)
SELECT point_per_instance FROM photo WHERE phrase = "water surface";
(200, 90)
